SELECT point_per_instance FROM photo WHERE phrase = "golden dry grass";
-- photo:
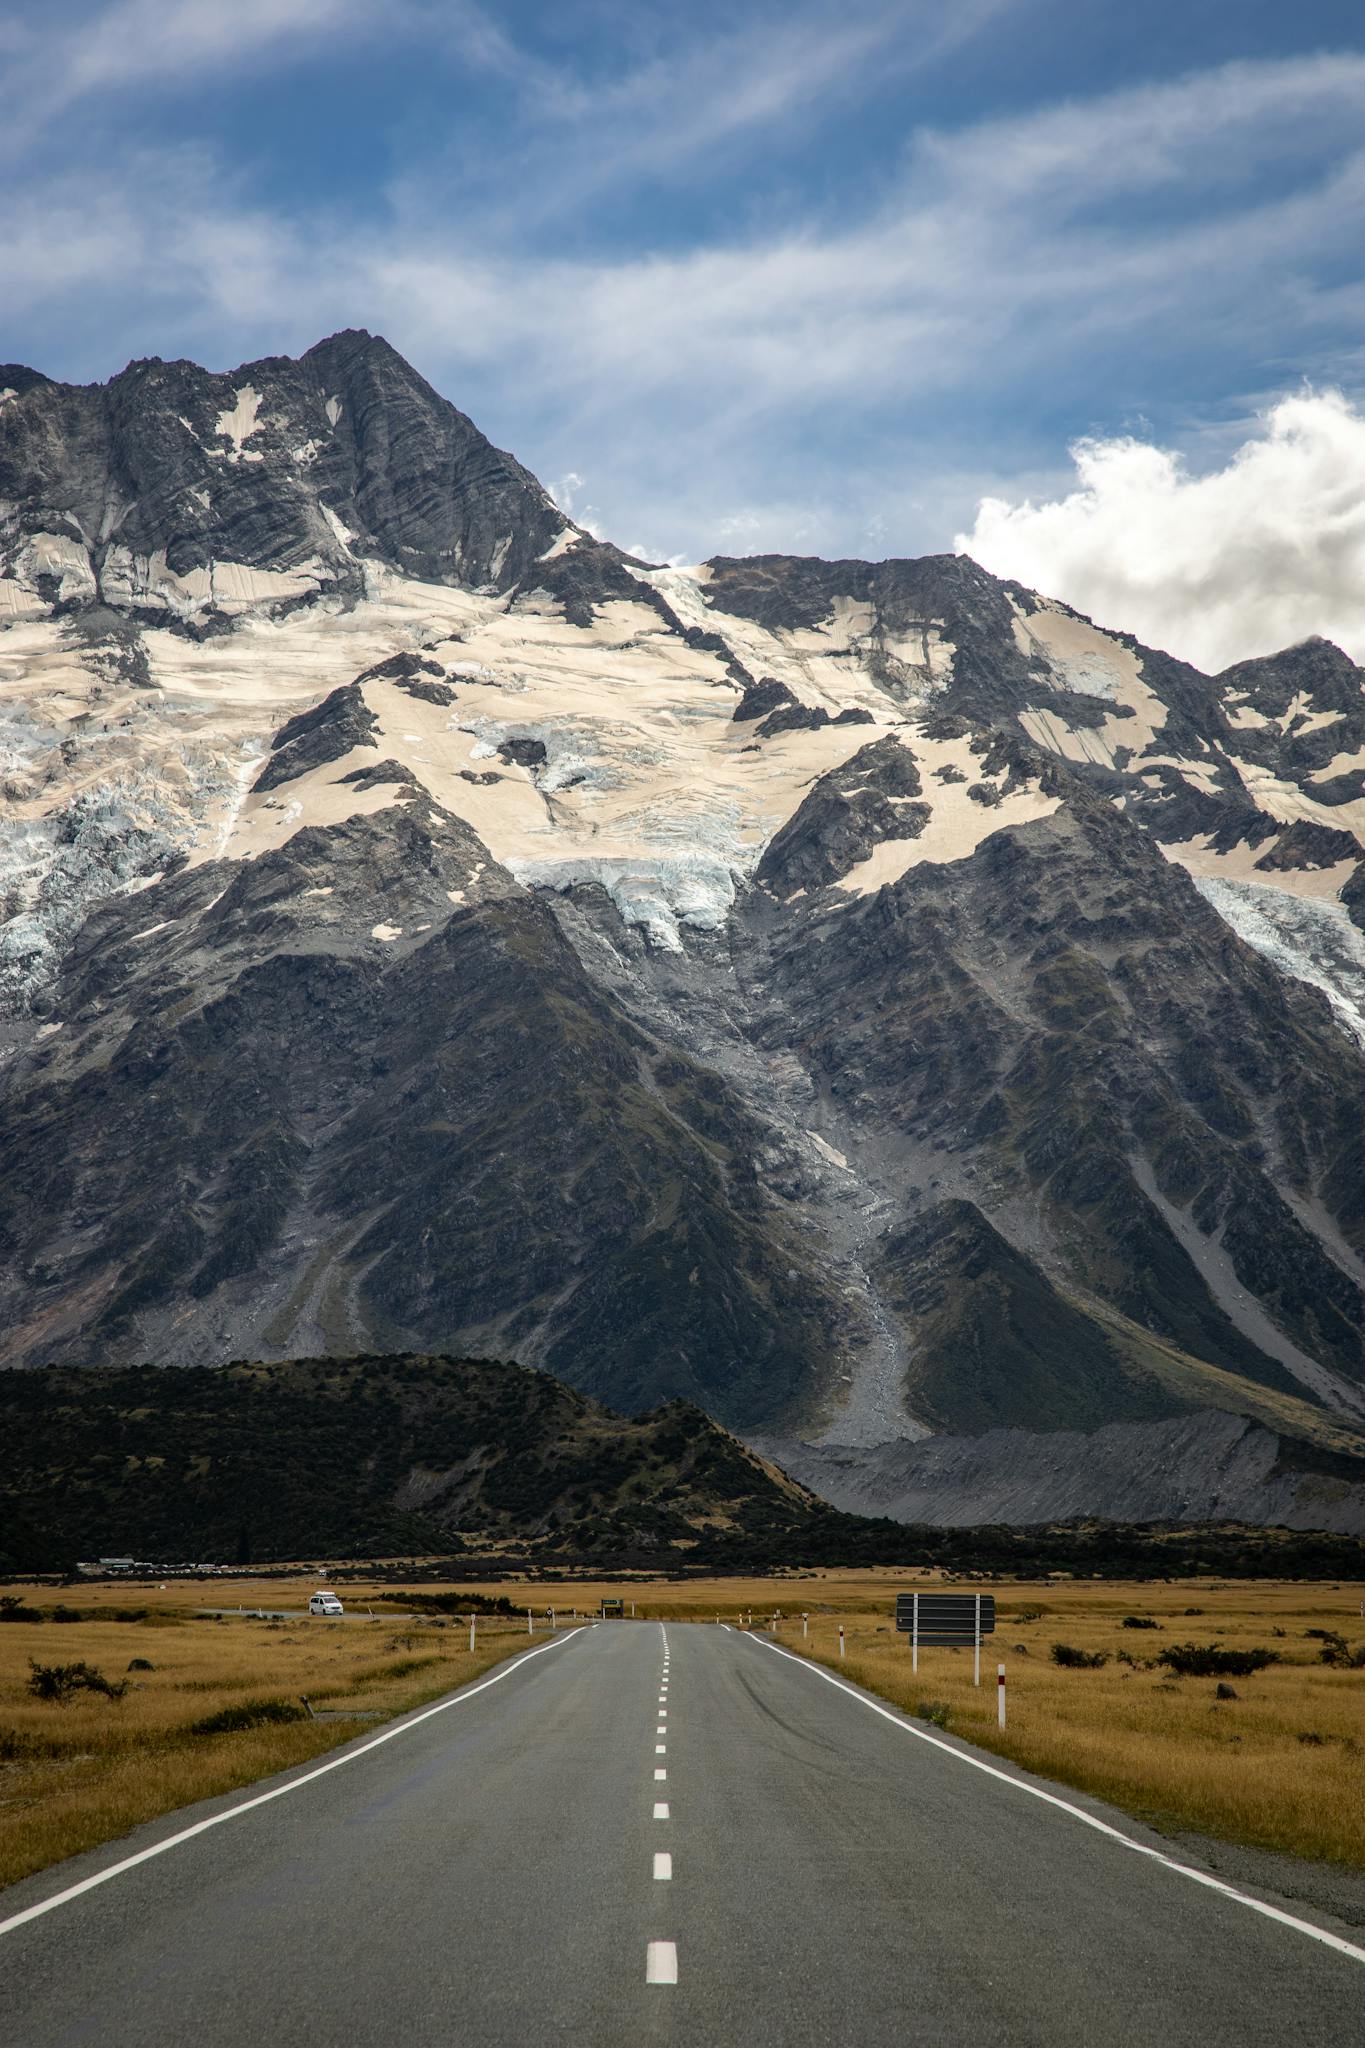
(1282, 1766)
(76, 1775)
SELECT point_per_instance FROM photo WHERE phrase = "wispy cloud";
(791, 378)
(138, 43)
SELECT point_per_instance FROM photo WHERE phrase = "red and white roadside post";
(1000, 1694)
(529, 1629)
(841, 1639)
(472, 1619)
(805, 1625)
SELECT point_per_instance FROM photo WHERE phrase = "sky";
(1077, 287)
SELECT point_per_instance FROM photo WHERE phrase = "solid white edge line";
(663, 1866)
(661, 1962)
(215, 1820)
(1213, 1884)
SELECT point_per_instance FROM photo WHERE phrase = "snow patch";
(238, 425)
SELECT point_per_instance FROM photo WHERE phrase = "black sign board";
(946, 1619)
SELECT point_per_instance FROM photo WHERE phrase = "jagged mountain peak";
(806, 988)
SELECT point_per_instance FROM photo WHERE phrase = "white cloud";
(1247, 559)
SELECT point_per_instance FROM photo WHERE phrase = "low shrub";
(1072, 1659)
(57, 1682)
(1139, 1621)
(1224, 1692)
(1206, 1660)
(12, 1608)
(936, 1712)
(1336, 1650)
(248, 1714)
(142, 1664)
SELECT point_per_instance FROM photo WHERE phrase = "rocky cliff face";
(865, 999)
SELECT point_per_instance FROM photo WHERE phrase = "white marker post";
(914, 1633)
(471, 1635)
(841, 1640)
(976, 1667)
(805, 1625)
(1000, 1693)
(529, 1629)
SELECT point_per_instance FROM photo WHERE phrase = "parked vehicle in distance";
(325, 1603)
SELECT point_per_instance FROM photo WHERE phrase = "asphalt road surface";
(635, 1835)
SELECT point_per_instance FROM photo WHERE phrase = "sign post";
(951, 1620)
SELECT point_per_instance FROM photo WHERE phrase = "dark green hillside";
(362, 1456)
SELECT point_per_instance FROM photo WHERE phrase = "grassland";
(1281, 1765)
(77, 1774)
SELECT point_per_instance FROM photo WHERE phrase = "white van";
(325, 1603)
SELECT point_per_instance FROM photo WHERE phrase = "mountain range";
(865, 1000)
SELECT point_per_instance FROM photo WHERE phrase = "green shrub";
(1072, 1659)
(1206, 1660)
(1139, 1621)
(934, 1711)
(12, 1608)
(141, 1664)
(248, 1714)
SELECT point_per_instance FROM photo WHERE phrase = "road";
(636, 1834)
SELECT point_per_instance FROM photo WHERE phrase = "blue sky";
(813, 277)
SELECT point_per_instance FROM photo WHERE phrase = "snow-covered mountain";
(865, 998)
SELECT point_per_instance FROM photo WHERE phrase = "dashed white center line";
(661, 1809)
(663, 1865)
(661, 1962)
(661, 1729)
(659, 1776)
(661, 1749)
